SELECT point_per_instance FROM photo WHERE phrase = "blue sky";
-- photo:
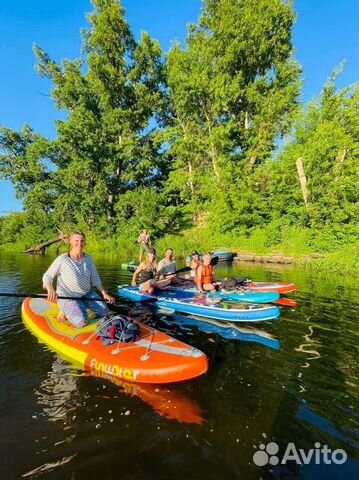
(325, 34)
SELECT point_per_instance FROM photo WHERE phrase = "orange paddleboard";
(154, 358)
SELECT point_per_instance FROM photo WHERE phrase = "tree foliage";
(233, 90)
(208, 135)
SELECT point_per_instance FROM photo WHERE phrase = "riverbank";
(343, 262)
(294, 247)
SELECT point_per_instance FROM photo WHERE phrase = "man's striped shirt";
(74, 278)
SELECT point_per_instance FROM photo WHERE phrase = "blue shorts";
(76, 310)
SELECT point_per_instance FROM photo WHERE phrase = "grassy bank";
(288, 241)
(344, 262)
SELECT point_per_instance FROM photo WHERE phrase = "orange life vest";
(207, 274)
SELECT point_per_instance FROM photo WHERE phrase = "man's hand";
(168, 275)
(108, 298)
(51, 294)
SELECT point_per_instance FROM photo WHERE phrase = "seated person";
(195, 262)
(76, 276)
(204, 277)
(167, 265)
(167, 268)
(147, 273)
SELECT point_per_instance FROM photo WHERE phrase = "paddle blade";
(184, 269)
(214, 261)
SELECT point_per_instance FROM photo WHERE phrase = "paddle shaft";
(181, 270)
(83, 299)
(31, 295)
(111, 306)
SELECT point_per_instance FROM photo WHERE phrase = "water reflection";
(229, 330)
(226, 330)
(309, 342)
(58, 393)
(167, 401)
(305, 392)
(306, 414)
(60, 398)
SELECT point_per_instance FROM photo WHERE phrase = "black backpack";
(233, 283)
(117, 328)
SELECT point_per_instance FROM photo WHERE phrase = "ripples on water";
(290, 380)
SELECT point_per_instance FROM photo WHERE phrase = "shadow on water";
(295, 379)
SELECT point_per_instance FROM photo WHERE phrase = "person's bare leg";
(151, 285)
(61, 317)
(209, 287)
(146, 287)
(179, 281)
(161, 284)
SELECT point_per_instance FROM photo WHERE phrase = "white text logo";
(267, 454)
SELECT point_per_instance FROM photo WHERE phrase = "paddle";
(112, 306)
(32, 295)
(181, 270)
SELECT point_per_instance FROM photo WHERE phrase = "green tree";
(107, 143)
(233, 91)
(28, 160)
(111, 96)
(326, 138)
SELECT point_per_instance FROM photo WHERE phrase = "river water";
(272, 391)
